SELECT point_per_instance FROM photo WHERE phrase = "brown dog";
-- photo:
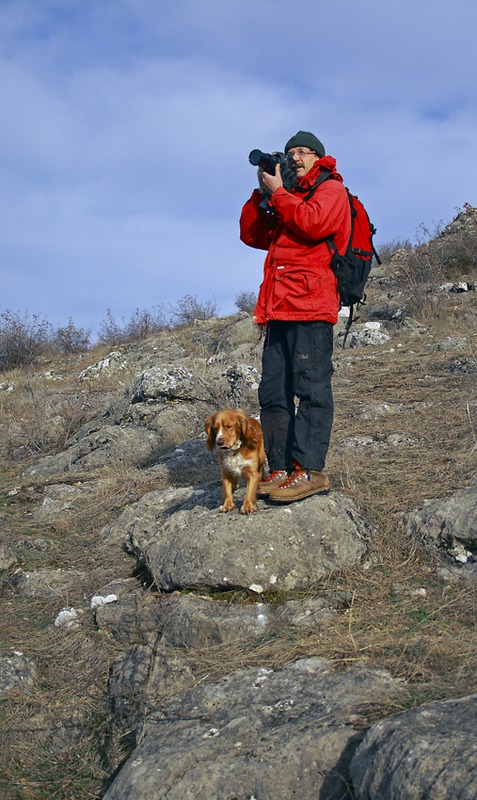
(239, 440)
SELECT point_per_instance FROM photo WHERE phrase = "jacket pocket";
(295, 289)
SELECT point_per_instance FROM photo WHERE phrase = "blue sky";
(125, 127)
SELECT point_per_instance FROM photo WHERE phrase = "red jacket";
(298, 283)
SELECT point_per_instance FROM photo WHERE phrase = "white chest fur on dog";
(234, 462)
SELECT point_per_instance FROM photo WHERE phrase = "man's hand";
(269, 183)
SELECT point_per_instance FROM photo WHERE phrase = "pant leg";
(311, 349)
(276, 398)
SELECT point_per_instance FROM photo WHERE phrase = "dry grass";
(395, 616)
(53, 738)
(409, 397)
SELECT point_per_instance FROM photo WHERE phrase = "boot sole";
(277, 499)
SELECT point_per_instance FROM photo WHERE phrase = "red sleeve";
(254, 228)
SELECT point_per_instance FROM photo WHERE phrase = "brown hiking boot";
(274, 479)
(301, 483)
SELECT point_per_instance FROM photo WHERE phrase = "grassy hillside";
(405, 430)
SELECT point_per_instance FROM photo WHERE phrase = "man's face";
(303, 158)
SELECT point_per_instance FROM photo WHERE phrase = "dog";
(239, 440)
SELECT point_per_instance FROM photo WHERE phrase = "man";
(298, 305)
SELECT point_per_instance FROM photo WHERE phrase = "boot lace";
(275, 474)
(297, 475)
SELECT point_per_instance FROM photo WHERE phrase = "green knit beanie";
(306, 139)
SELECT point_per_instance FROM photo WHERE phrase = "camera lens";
(255, 157)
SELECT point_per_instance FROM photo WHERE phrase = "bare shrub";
(145, 323)
(71, 339)
(246, 301)
(387, 250)
(23, 338)
(142, 323)
(189, 308)
(110, 331)
(439, 257)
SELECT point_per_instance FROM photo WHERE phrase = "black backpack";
(353, 267)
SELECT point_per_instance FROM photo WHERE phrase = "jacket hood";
(327, 163)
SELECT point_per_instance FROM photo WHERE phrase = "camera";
(268, 162)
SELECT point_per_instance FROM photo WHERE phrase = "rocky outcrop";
(191, 546)
(429, 752)
(257, 733)
(449, 524)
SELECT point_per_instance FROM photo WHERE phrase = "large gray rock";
(168, 631)
(44, 583)
(107, 445)
(256, 734)
(8, 557)
(279, 549)
(368, 334)
(182, 621)
(428, 753)
(448, 522)
(62, 498)
(170, 382)
(146, 431)
(139, 521)
(17, 672)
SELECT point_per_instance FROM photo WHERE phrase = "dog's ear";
(210, 431)
(251, 431)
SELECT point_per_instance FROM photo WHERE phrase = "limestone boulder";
(448, 523)
(256, 733)
(429, 752)
(190, 545)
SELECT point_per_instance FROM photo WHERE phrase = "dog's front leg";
(227, 490)
(250, 499)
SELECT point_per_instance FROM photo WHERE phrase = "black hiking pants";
(297, 363)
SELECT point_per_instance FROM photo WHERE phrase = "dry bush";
(189, 308)
(23, 338)
(71, 339)
(142, 324)
(387, 250)
(440, 257)
(27, 338)
(246, 301)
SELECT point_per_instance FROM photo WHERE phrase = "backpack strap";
(330, 240)
(348, 325)
(324, 175)
(378, 260)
